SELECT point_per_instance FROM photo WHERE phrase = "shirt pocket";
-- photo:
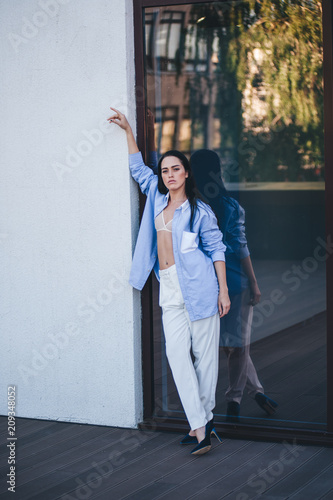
(188, 243)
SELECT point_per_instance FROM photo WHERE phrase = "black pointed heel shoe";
(189, 440)
(266, 403)
(205, 445)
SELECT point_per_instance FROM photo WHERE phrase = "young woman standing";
(236, 328)
(180, 239)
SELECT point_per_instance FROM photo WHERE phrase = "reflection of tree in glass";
(268, 73)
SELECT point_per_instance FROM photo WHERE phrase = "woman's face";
(173, 173)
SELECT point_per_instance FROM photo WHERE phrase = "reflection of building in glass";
(254, 104)
(174, 49)
(163, 37)
(213, 92)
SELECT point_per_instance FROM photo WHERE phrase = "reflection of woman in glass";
(242, 284)
(180, 239)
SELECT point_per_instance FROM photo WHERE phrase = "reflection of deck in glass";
(291, 365)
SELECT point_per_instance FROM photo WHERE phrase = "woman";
(180, 239)
(242, 285)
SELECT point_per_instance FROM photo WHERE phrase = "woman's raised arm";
(120, 119)
(142, 174)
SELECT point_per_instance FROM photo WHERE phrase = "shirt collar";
(183, 206)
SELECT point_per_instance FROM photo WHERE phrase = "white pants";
(236, 329)
(196, 383)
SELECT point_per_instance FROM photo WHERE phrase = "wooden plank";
(222, 461)
(311, 480)
(259, 472)
(67, 470)
(74, 461)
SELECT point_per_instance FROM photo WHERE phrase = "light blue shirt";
(195, 250)
(232, 223)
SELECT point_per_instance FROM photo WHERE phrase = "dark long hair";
(206, 169)
(191, 191)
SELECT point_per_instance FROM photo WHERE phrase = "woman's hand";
(254, 289)
(255, 294)
(223, 302)
(120, 119)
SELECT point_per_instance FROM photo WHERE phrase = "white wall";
(70, 337)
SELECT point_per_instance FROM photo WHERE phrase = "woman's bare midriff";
(164, 249)
(164, 238)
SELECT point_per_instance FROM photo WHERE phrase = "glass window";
(243, 79)
(166, 42)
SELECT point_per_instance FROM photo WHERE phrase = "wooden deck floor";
(63, 461)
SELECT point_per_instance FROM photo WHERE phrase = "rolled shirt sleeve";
(142, 174)
(236, 233)
(211, 236)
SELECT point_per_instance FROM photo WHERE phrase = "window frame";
(244, 431)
